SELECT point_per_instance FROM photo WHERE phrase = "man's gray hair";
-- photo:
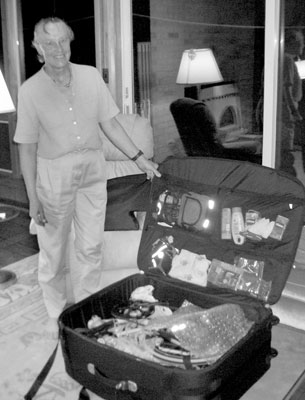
(42, 26)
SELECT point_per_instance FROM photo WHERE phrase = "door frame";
(13, 48)
(114, 49)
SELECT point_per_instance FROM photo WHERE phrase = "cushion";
(138, 129)
(120, 251)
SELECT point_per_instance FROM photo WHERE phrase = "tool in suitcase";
(218, 243)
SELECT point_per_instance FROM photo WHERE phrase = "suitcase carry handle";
(111, 383)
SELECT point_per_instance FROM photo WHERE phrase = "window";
(233, 30)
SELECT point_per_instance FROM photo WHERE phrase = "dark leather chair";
(197, 130)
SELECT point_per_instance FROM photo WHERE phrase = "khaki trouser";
(72, 189)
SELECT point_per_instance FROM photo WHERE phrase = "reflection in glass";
(292, 138)
(291, 96)
(235, 35)
(198, 66)
(228, 117)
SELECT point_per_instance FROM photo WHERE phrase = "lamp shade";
(301, 68)
(198, 66)
(6, 102)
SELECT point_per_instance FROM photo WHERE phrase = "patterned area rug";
(24, 292)
(26, 344)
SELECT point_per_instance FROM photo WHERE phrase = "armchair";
(197, 129)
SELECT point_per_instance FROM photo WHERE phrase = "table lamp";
(7, 278)
(198, 66)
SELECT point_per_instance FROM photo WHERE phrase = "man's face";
(54, 45)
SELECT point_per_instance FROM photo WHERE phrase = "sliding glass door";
(291, 132)
(247, 40)
(234, 31)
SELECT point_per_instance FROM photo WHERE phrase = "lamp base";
(191, 92)
(7, 278)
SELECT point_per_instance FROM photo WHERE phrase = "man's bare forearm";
(116, 134)
(28, 163)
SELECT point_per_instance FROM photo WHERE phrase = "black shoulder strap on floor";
(42, 376)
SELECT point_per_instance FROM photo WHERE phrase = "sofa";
(122, 232)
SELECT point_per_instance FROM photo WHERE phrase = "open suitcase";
(172, 223)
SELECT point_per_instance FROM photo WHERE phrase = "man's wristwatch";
(139, 154)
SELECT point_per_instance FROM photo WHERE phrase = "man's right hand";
(37, 213)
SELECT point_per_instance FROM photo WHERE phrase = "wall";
(177, 25)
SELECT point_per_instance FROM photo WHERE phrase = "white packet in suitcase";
(190, 267)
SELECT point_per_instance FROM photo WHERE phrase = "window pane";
(5, 157)
(234, 31)
(291, 130)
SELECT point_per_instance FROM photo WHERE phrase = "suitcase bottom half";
(114, 374)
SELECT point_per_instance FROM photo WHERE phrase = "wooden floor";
(12, 191)
(16, 242)
(297, 392)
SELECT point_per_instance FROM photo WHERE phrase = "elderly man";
(60, 111)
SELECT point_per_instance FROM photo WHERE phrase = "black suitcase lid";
(229, 184)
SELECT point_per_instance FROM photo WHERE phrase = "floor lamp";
(7, 278)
